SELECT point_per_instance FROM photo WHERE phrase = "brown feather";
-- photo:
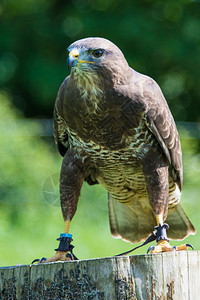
(118, 126)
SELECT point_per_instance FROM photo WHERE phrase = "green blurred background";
(158, 38)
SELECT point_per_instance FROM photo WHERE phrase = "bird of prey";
(112, 125)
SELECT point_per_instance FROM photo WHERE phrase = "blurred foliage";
(158, 38)
(30, 214)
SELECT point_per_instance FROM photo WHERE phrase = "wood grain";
(174, 275)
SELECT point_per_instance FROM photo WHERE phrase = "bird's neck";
(89, 86)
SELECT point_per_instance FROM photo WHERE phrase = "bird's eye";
(97, 53)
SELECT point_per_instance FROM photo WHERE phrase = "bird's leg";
(64, 250)
(71, 180)
(156, 177)
(161, 237)
(163, 244)
(66, 226)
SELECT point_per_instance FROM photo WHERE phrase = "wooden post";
(174, 275)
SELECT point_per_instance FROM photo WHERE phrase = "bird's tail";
(179, 224)
(135, 221)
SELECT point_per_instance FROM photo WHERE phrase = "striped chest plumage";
(131, 146)
(120, 170)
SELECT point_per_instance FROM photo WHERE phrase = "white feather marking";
(174, 196)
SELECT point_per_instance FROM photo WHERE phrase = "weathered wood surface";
(160, 276)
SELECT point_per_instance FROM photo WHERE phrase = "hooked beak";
(71, 62)
(73, 59)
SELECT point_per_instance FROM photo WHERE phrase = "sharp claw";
(69, 256)
(189, 245)
(43, 259)
(150, 248)
(75, 258)
(35, 260)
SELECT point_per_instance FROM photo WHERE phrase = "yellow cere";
(74, 53)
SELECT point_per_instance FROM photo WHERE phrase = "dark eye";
(97, 53)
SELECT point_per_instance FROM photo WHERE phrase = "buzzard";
(112, 125)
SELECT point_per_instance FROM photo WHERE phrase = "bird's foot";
(163, 242)
(164, 246)
(59, 256)
(64, 251)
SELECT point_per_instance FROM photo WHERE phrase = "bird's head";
(97, 55)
